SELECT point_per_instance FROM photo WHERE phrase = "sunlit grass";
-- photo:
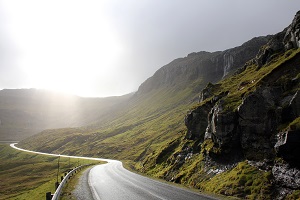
(146, 130)
(29, 176)
(243, 181)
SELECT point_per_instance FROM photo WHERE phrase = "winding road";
(111, 181)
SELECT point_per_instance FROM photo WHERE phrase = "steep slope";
(155, 111)
(206, 66)
(243, 138)
(25, 112)
(248, 126)
(225, 144)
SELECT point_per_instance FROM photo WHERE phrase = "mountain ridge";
(167, 131)
(198, 64)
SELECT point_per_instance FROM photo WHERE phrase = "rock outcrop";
(287, 39)
(292, 35)
(266, 52)
(258, 121)
(196, 121)
(253, 127)
(222, 128)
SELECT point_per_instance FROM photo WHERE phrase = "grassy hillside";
(154, 115)
(151, 134)
(199, 122)
(203, 164)
(29, 176)
(147, 121)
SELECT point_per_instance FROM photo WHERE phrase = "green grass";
(149, 125)
(29, 176)
(242, 84)
(294, 195)
(154, 120)
(295, 125)
(244, 181)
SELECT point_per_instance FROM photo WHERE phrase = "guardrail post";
(56, 185)
(48, 196)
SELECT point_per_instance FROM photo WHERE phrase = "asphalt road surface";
(111, 181)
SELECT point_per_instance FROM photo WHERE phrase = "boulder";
(206, 92)
(258, 120)
(275, 45)
(223, 128)
(196, 121)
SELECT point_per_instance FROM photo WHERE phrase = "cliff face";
(285, 40)
(263, 123)
(243, 137)
(210, 67)
(292, 36)
(273, 101)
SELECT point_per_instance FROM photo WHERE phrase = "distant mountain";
(25, 112)
(224, 122)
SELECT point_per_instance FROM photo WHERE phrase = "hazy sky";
(105, 48)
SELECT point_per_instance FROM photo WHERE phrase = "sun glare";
(68, 53)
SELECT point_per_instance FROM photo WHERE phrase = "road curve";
(111, 181)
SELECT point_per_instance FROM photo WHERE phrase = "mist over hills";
(224, 122)
(25, 112)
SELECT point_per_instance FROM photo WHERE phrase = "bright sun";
(68, 52)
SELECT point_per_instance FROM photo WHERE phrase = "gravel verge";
(82, 190)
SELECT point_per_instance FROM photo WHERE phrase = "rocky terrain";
(206, 66)
(239, 137)
(256, 121)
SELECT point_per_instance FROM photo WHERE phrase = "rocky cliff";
(240, 138)
(262, 125)
(243, 137)
(210, 67)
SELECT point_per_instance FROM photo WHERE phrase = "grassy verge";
(129, 165)
(29, 176)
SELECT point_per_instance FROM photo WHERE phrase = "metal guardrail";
(58, 191)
